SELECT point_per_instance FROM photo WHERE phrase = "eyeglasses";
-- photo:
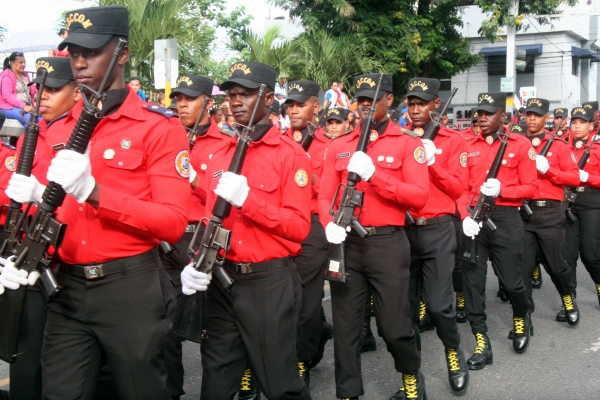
(335, 85)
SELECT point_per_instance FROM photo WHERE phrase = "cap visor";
(239, 82)
(87, 40)
(299, 98)
(51, 82)
(421, 95)
(369, 93)
(536, 110)
(487, 108)
(341, 119)
(586, 119)
(186, 91)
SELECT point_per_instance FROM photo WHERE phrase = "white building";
(561, 59)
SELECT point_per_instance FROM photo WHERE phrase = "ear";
(124, 57)
(437, 103)
(316, 107)
(77, 94)
(390, 99)
(269, 98)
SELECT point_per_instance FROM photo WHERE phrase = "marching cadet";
(473, 130)
(302, 107)
(393, 177)
(585, 226)
(593, 105)
(561, 129)
(432, 236)
(337, 122)
(545, 228)
(129, 191)
(254, 323)
(516, 182)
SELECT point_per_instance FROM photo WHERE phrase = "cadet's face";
(535, 123)
(299, 113)
(419, 109)
(242, 101)
(189, 108)
(580, 128)
(135, 85)
(475, 128)
(90, 65)
(489, 122)
(381, 106)
(336, 128)
(57, 101)
(558, 121)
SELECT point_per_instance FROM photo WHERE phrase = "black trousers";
(254, 324)
(457, 281)
(545, 234)
(26, 372)
(125, 317)
(174, 264)
(505, 249)
(583, 236)
(310, 266)
(432, 250)
(381, 262)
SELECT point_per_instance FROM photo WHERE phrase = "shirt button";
(120, 162)
(261, 185)
(80, 208)
(83, 242)
(240, 242)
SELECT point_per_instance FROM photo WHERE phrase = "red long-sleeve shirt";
(592, 167)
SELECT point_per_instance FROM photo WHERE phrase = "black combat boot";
(571, 309)
(522, 333)
(536, 282)
(482, 355)
(458, 373)
(414, 386)
(461, 314)
(561, 316)
(424, 318)
(249, 389)
(368, 342)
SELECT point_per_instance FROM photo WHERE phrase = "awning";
(576, 52)
(501, 51)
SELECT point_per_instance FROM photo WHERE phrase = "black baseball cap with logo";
(424, 88)
(301, 91)
(251, 75)
(193, 86)
(590, 104)
(276, 108)
(490, 102)
(520, 128)
(538, 106)
(341, 114)
(508, 117)
(561, 112)
(93, 27)
(59, 71)
(366, 85)
(474, 114)
(586, 114)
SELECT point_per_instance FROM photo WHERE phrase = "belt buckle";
(243, 268)
(541, 203)
(93, 272)
(420, 221)
(580, 189)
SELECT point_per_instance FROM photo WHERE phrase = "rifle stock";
(570, 193)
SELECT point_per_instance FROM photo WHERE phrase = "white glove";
(12, 278)
(233, 188)
(491, 187)
(542, 164)
(583, 175)
(24, 189)
(470, 227)
(335, 234)
(193, 173)
(73, 172)
(193, 281)
(429, 151)
(361, 164)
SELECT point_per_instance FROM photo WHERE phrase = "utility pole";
(511, 33)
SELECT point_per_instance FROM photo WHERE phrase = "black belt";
(584, 189)
(432, 221)
(191, 228)
(544, 203)
(505, 208)
(382, 230)
(249, 268)
(95, 271)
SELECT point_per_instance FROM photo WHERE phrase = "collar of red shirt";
(132, 107)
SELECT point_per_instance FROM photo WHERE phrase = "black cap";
(474, 114)
(250, 75)
(301, 91)
(423, 88)
(491, 102)
(520, 128)
(538, 106)
(193, 86)
(586, 114)
(561, 112)
(173, 105)
(59, 71)
(367, 84)
(275, 108)
(93, 27)
(508, 117)
(341, 114)
(591, 105)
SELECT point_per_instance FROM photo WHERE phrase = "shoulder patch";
(10, 146)
(409, 132)
(419, 154)
(301, 178)
(226, 132)
(182, 164)
(11, 163)
(165, 112)
(531, 154)
(463, 159)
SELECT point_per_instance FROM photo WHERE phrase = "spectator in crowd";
(161, 100)
(15, 94)
(284, 119)
(331, 96)
(353, 120)
(217, 115)
(225, 106)
(281, 89)
(275, 115)
(344, 101)
(136, 85)
(63, 33)
(404, 119)
(229, 125)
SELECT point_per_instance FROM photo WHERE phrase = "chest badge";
(109, 154)
(297, 136)
(419, 131)
(579, 145)
(10, 163)
(489, 140)
(374, 135)
(301, 178)
(126, 144)
(536, 142)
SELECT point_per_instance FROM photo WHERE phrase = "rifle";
(32, 250)
(348, 211)
(192, 132)
(432, 130)
(214, 245)
(570, 193)
(14, 213)
(485, 204)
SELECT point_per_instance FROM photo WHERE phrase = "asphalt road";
(561, 362)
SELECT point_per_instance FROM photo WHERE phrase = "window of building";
(445, 85)
(575, 66)
(497, 65)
